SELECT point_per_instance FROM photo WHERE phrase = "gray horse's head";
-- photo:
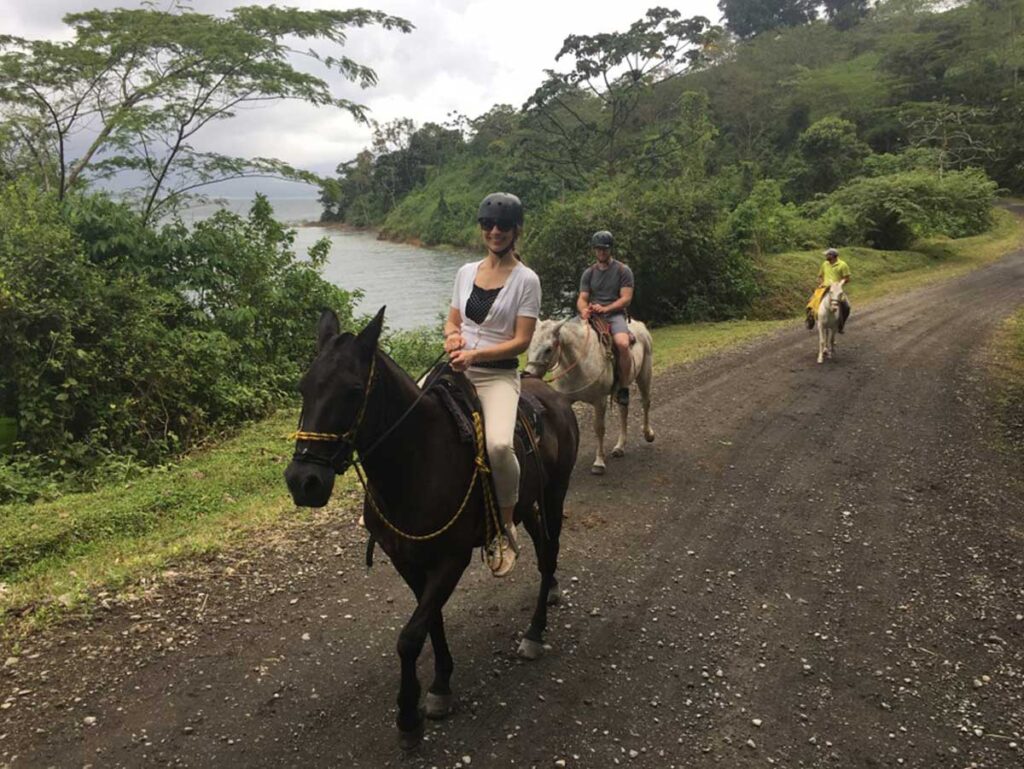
(543, 352)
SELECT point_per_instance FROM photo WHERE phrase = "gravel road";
(812, 566)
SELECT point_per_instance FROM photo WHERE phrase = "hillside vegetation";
(703, 148)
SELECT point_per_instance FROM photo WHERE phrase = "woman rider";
(494, 310)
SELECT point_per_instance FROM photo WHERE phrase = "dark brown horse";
(421, 479)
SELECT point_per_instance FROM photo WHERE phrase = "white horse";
(828, 321)
(583, 369)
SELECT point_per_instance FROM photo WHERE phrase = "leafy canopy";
(134, 86)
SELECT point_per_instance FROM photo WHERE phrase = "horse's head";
(834, 296)
(543, 352)
(335, 391)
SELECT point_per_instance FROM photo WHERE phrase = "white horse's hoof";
(649, 436)
(618, 451)
(438, 706)
(530, 650)
(597, 470)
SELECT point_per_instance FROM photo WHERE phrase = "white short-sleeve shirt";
(520, 296)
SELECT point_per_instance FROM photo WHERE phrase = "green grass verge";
(55, 555)
(786, 280)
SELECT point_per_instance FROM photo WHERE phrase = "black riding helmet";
(502, 207)
(601, 239)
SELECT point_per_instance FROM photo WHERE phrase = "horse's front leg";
(644, 383)
(620, 445)
(437, 588)
(439, 696)
(832, 343)
(600, 405)
(821, 340)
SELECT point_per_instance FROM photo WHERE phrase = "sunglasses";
(489, 224)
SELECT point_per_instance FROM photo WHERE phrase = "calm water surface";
(414, 283)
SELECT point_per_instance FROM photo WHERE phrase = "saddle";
(604, 331)
(459, 397)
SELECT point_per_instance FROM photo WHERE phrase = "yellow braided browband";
(302, 435)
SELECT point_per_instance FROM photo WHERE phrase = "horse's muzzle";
(310, 484)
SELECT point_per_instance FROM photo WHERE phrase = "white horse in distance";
(828, 321)
(583, 369)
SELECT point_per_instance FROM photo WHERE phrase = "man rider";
(832, 270)
(606, 290)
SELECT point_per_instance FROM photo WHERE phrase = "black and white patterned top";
(480, 301)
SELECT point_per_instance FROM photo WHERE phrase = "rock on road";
(811, 566)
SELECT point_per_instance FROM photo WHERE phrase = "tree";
(844, 14)
(829, 155)
(746, 18)
(133, 88)
(581, 115)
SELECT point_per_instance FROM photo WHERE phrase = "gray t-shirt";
(603, 286)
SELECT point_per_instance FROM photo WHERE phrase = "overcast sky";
(464, 56)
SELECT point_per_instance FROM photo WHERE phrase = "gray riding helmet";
(601, 239)
(501, 207)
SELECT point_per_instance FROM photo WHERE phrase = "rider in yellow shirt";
(833, 270)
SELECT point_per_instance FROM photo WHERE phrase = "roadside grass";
(787, 279)
(1007, 366)
(57, 556)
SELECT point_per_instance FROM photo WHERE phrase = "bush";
(764, 224)
(668, 234)
(122, 341)
(890, 212)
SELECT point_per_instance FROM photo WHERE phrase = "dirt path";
(812, 566)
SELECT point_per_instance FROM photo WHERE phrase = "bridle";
(346, 441)
(347, 447)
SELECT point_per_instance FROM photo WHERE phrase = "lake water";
(414, 283)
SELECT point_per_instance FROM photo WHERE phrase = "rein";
(347, 441)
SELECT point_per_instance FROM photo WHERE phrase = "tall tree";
(134, 86)
(746, 18)
(581, 115)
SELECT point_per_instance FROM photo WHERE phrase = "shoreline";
(382, 235)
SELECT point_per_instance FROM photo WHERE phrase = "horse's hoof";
(649, 436)
(555, 595)
(530, 650)
(438, 706)
(597, 470)
(411, 739)
(618, 451)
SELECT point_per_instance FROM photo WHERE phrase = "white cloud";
(464, 56)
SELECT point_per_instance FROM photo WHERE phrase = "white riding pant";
(498, 390)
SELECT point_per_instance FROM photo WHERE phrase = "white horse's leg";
(821, 339)
(620, 445)
(643, 381)
(599, 411)
(832, 341)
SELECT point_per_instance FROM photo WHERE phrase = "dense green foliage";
(788, 137)
(122, 340)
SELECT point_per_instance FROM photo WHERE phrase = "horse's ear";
(326, 329)
(371, 333)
